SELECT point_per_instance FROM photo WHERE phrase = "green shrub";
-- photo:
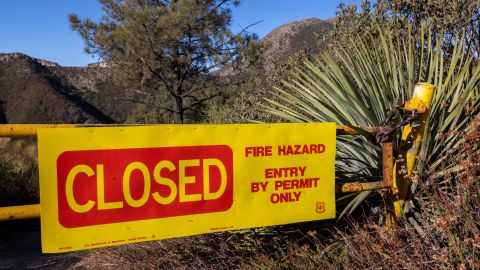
(356, 87)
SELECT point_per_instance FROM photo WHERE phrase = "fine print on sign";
(116, 185)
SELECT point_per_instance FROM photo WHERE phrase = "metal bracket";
(387, 179)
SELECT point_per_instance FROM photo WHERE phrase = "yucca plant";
(356, 87)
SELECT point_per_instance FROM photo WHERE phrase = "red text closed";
(109, 186)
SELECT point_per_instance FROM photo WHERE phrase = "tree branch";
(146, 103)
(200, 101)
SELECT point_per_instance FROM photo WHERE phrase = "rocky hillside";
(38, 91)
(291, 38)
(287, 40)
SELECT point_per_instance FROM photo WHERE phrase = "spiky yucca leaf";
(357, 87)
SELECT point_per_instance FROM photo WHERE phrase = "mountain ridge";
(34, 90)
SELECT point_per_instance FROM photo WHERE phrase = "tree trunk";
(178, 110)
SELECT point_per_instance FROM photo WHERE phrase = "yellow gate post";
(408, 149)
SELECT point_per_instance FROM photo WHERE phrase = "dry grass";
(447, 240)
(211, 251)
(19, 172)
(4, 142)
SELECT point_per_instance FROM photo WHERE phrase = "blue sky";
(40, 28)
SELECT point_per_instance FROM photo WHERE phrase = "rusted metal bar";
(19, 212)
(361, 186)
(30, 130)
(387, 163)
(387, 180)
(349, 130)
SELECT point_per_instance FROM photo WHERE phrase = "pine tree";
(169, 46)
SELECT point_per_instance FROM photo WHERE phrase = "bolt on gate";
(396, 173)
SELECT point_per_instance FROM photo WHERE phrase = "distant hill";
(290, 39)
(293, 37)
(38, 91)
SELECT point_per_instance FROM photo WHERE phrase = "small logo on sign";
(320, 207)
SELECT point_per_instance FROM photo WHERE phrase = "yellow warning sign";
(107, 186)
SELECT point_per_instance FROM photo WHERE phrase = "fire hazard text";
(285, 184)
